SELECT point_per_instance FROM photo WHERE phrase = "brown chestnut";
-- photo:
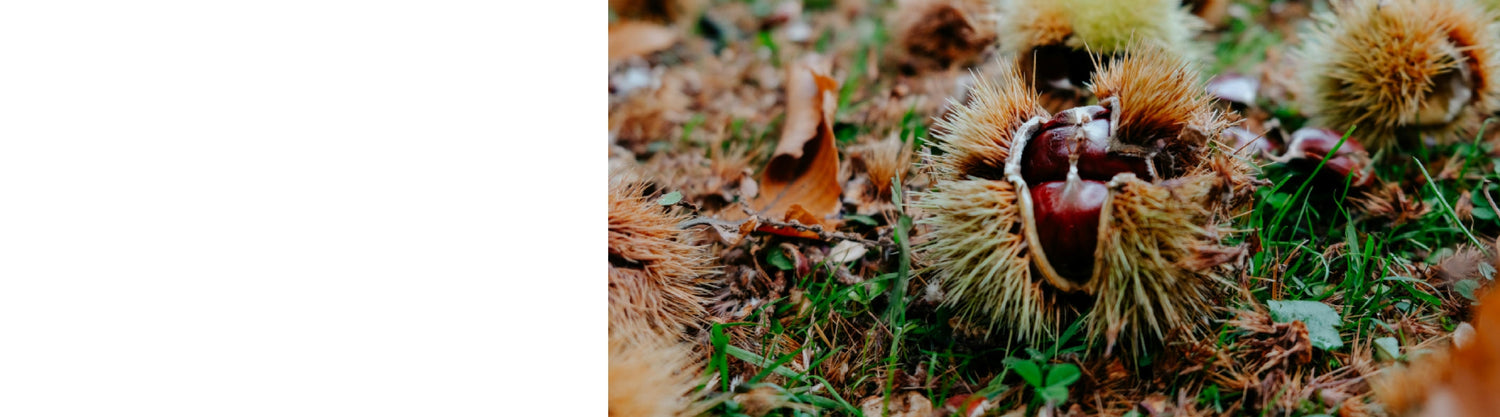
(1067, 223)
(1311, 145)
(1083, 131)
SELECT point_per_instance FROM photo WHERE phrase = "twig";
(1485, 188)
(817, 228)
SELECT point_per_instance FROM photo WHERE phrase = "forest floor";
(842, 320)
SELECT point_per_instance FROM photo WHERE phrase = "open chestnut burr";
(1405, 72)
(1106, 211)
(1058, 42)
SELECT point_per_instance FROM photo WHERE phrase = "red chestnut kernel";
(1067, 224)
(1047, 156)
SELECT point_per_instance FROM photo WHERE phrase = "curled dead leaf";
(634, 38)
(801, 183)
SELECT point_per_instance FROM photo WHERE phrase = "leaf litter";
(778, 125)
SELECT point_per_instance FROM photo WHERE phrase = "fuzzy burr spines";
(979, 251)
(980, 132)
(1138, 259)
(1158, 243)
(654, 272)
(1068, 36)
(1103, 26)
(1146, 285)
(649, 375)
(1161, 99)
(1402, 69)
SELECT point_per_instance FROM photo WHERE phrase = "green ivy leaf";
(1322, 322)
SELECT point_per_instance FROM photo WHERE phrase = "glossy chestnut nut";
(1067, 223)
(1311, 145)
(1085, 131)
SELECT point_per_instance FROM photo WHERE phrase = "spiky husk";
(979, 253)
(649, 376)
(976, 249)
(1373, 63)
(1161, 99)
(654, 272)
(978, 134)
(1158, 243)
(1159, 246)
(1102, 26)
(1150, 280)
(1236, 179)
(881, 162)
(937, 34)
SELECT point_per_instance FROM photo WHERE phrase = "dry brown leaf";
(633, 38)
(801, 182)
(904, 404)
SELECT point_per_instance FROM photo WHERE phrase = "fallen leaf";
(728, 232)
(801, 182)
(800, 265)
(1466, 289)
(1322, 322)
(794, 214)
(1387, 348)
(633, 38)
(905, 404)
(846, 251)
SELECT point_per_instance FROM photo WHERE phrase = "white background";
(302, 208)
